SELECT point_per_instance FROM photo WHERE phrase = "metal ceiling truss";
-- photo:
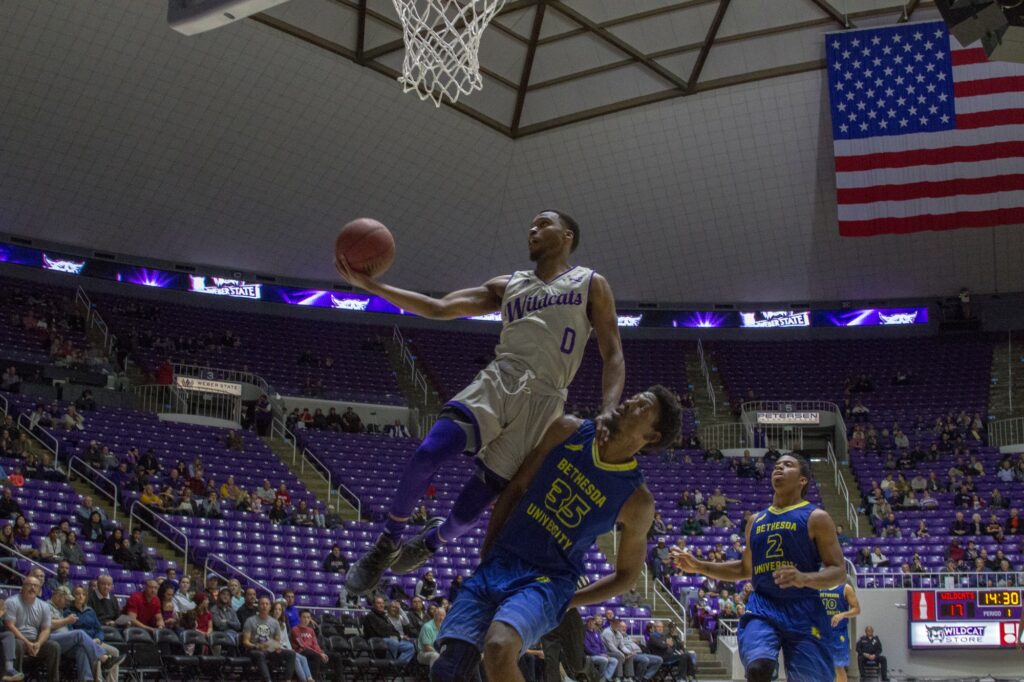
(677, 86)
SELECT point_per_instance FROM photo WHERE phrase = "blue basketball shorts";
(507, 589)
(799, 628)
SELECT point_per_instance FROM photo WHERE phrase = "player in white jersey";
(547, 316)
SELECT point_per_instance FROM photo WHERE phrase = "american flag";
(928, 135)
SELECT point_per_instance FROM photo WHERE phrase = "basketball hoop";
(442, 46)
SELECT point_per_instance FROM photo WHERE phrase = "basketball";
(367, 246)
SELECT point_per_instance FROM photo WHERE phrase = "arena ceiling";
(689, 137)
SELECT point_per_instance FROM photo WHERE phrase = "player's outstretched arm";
(479, 300)
(729, 571)
(557, 433)
(636, 517)
(823, 532)
(605, 320)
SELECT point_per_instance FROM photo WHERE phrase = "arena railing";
(419, 379)
(345, 493)
(5, 406)
(93, 319)
(235, 570)
(278, 429)
(869, 578)
(134, 516)
(708, 385)
(320, 470)
(852, 517)
(42, 436)
(1006, 432)
(170, 399)
(236, 376)
(77, 465)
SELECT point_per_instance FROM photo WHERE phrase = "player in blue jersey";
(569, 490)
(840, 604)
(792, 552)
(548, 314)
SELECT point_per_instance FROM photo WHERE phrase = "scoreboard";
(963, 619)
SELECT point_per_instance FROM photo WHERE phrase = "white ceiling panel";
(247, 147)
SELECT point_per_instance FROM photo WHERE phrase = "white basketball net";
(442, 46)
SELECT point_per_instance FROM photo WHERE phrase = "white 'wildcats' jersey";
(545, 324)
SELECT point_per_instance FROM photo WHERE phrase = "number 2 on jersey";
(568, 340)
(774, 546)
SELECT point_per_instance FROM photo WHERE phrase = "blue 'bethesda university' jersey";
(573, 498)
(834, 601)
(780, 537)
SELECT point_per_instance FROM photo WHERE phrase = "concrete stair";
(998, 400)
(706, 412)
(831, 498)
(83, 487)
(312, 479)
(709, 667)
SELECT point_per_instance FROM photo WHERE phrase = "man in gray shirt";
(224, 617)
(261, 637)
(28, 619)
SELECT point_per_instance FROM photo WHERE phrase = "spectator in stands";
(250, 607)
(350, 422)
(302, 515)
(76, 644)
(183, 601)
(265, 493)
(997, 501)
(598, 657)
(890, 527)
(237, 594)
(89, 622)
(261, 638)
(335, 561)
(860, 413)
(426, 587)
(396, 430)
(454, 587)
(263, 416)
(278, 514)
(9, 507)
(304, 641)
(426, 654)
(10, 381)
(959, 527)
(719, 519)
(976, 526)
(72, 419)
(103, 601)
(878, 558)
(869, 652)
(377, 624)
(150, 498)
(637, 664)
(658, 526)
(211, 507)
(283, 495)
(1014, 526)
(143, 608)
(233, 441)
(28, 619)
(50, 547)
(673, 658)
(225, 618)
(72, 551)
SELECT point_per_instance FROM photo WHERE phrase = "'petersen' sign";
(785, 418)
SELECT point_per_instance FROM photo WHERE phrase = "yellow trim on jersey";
(575, 448)
(625, 466)
(791, 507)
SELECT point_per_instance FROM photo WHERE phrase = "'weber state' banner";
(928, 135)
